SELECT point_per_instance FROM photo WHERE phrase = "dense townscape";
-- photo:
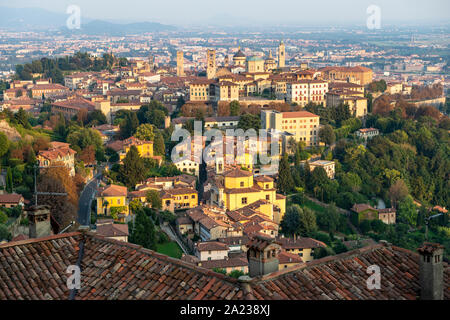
(95, 173)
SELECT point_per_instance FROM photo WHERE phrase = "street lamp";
(427, 220)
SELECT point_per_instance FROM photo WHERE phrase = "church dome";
(239, 54)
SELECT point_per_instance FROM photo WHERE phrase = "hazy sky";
(265, 12)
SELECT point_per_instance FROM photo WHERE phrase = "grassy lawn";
(313, 206)
(171, 249)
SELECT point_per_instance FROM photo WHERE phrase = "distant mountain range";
(98, 27)
(36, 19)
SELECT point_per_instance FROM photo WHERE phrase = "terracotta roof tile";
(36, 269)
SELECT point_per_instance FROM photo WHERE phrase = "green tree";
(9, 180)
(133, 169)
(290, 224)
(285, 181)
(135, 205)
(168, 216)
(407, 211)
(350, 181)
(307, 222)
(4, 144)
(158, 144)
(236, 274)
(143, 231)
(145, 132)
(248, 120)
(3, 217)
(235, 108)
(128, 124)
(22, 118)
(81, 138)
(4, 233)
(154, 199)
(96, 117)
(327, 135)
(330, 219)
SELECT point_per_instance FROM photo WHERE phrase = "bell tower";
(180, 64)
(211, 64)
(281, 55)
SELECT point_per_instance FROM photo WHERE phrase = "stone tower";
(39, 222)
(151, 61)
(431, 271)
(180, 64)
(262, 256)
(211, 64)
(281, 55)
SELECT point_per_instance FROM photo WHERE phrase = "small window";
(244, 200)
(242, 183)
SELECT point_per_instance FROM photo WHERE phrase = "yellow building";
(145, 148)
(255, 64)
(288, 260)
(227, 91)
(179, 199)
(302, 247)
(359, 75)
(356, 101)
(112, 200)
(200, 90)
(236, 188)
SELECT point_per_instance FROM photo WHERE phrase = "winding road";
(86, 197)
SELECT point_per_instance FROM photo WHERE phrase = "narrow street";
(174, 237)
(85, 200)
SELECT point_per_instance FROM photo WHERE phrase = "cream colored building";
(211, 250)
(328, 166)
(356, 102)
(226, 91)
(305, 91)
(270, 63)
(303, 125)
(239, 58)
(255, 64)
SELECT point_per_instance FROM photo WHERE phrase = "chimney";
(431, 271)
(262, 256)
(39, 222)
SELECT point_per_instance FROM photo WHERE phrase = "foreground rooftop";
(36, 269)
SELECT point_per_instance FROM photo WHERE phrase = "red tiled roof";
(111, 270)
(112, 191)
(112, 230)
(36, 269)
(300, 243)
(286, 257)
(224, 263)
(11, 198)
(298, 114)
(211, 246)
